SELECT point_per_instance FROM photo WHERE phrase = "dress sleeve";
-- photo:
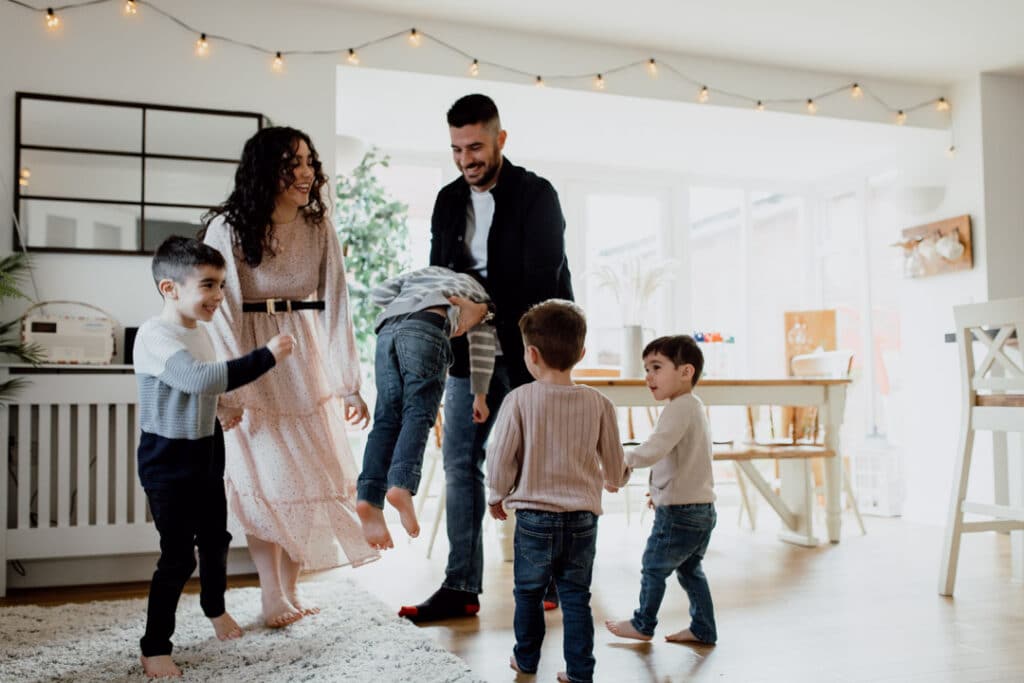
(226, 329)
(336, 322)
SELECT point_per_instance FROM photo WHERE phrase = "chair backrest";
(997, 327)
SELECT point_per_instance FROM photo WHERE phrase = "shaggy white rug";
(355, 637)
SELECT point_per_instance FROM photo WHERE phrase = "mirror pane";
(188, 182)
(82, 126)
(79, 225)
(85, 176)
(198, 135)
(162, 222)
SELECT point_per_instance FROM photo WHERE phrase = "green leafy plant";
(374, 231)
(13, 269)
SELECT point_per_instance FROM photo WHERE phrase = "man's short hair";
(471, 109)
(177, 257)
(558, 329)
(681, 349)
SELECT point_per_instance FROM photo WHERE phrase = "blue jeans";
(466, 500)
(677, 544)
(558, 545)
(411, 364)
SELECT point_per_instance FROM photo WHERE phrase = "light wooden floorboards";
(864, 610)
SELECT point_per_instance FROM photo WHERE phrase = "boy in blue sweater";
(181, 448)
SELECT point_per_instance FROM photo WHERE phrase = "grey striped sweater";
(428, 287)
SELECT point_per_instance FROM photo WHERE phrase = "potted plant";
(12, 271)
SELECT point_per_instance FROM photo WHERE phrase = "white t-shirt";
(480, 214)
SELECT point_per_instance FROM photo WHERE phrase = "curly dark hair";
(267, 161)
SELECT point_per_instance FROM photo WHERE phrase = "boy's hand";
(480, 410)
(470, 314)
(611, 489)
(650, 501)
(356, 410)
(498, 512)
(229, 417)
(281, 346)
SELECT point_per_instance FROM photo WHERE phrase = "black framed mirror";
(113, 177)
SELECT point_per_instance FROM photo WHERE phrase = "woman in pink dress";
(290, 476)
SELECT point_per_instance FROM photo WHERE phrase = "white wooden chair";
(993, 400)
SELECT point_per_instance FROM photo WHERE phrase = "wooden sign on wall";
(936, 248)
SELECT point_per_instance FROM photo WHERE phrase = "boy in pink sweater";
(555, 444)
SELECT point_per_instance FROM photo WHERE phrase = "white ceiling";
(928, 41)
(405, 112)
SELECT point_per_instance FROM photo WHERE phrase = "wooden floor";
(864, 610)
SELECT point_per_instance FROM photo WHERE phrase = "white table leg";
(1015, 494)
(798, 495)
(835, 404)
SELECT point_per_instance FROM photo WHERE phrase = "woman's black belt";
(282, 306)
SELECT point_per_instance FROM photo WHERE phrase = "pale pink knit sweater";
(553, 448)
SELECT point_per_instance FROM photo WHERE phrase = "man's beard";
(487, 178)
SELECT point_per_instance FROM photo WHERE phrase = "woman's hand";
(356, 410)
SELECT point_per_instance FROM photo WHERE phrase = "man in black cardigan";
(504, 225)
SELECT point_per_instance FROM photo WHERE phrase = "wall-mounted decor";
(117, 177)
(936, 248)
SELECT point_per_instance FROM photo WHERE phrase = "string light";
(23, 177)
(202, 46)
(352, 58)
(856, 92)
(278, 64)
(414, 38)
(901, 117)
(704, 94)
(474, 68)
(652, 68)
(759, 106)
(598, 82)
(52, 20)
(131, 8)
(539, 82)
(941, 104)
(812, 108)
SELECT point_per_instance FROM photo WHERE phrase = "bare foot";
(278, 612)
(563, 677)
(160, 666)
(514, 665)
(226, 627)
(375, 529)
(684, 636)
(401, 499)
(301, 605)
(624, 629)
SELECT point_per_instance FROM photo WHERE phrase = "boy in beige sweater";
(555, 443)
(682, 493)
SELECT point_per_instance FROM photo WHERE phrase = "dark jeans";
(677, 544)
(559, 546)
(186, 517)
(412, 359)
(466, 500)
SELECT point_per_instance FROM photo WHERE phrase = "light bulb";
(131, 8)
(812, 108)
(941, 104)
(704, 95)
(539, 82)
(23, 177)
(951, 151)
(759, 106)
(414, 38)
(901, 117)
(202, 46)
(856, 92)
(352, 58)
(52, 20)
(598, 82)
(474, 68)
(652, 68)
(278, 64)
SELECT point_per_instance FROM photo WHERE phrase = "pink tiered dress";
(290, 476)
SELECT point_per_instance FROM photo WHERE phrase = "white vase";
(632, 347)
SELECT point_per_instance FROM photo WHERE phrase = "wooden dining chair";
(992, 400)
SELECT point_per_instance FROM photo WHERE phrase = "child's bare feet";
(375, 529)
(563, 677)
(301, 605)
(401, 499)
(514, 665)
(684, 636)
(160, 666)
(278, 612)
(624, 629)
(226, 627)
